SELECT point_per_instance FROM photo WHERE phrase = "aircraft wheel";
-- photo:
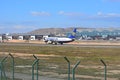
(61, 43)
(55, 43)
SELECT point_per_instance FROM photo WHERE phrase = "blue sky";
(27, 15)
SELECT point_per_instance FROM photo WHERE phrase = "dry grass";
(90, 59)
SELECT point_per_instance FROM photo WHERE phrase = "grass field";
(53, 64)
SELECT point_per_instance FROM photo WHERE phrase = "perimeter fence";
(14, 68)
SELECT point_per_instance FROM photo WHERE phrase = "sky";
(19, 16)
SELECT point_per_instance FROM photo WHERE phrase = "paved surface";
(69, 45)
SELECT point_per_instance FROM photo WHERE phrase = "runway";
(65, 45)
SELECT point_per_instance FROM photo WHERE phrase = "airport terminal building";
(97, 35)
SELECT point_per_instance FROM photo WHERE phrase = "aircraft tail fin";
(73, 34)
(75, 30)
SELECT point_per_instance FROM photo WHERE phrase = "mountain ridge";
(56, 31)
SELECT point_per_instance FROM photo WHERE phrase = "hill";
(57, 31)
(47, 31)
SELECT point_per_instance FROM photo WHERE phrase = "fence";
(35, 68)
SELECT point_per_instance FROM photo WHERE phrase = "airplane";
(60, 40)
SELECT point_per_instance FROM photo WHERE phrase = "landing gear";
(61, 43)
(55, 43)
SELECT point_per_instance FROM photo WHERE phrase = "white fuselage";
(56, 40)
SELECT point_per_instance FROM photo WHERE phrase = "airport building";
(86, 34)
(29, 37)
(97, 35)
(0, 38)
(4, 37)
(20, 37)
